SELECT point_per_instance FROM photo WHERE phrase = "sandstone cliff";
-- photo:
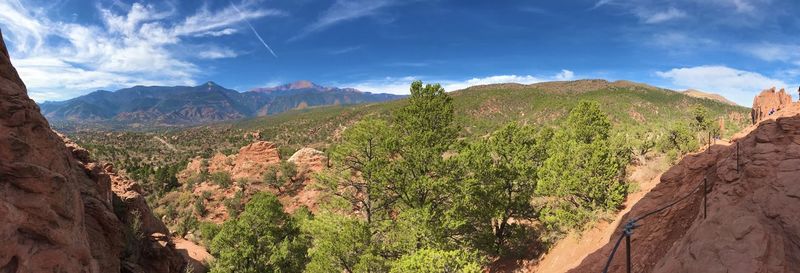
(769, 101)
(59, 210)
(753, 196)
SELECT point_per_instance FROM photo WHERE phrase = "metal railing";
(627, 230)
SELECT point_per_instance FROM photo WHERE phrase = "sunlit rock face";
(58, 209)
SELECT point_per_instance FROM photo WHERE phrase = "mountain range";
(209, 102)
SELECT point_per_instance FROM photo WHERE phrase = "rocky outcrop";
(148, 246)
(768, 102)
(250, 163)
(57, 208)
(753, 195)
(309, 161)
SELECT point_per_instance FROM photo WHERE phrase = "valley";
(218, 167)
(387, 136)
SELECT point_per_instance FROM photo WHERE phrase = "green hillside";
(479, 110)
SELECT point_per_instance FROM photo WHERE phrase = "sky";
(67, 48)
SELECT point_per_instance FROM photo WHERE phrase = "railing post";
(628, 249)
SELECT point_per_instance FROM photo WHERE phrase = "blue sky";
(66, 48)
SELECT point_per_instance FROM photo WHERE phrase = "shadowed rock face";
(753, 224)
(57, 206)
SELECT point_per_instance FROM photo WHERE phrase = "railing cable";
(627, 231)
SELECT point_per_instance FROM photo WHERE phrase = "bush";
(680, 139)
(223, 179)
(234, 205)
(186, 224)
(199, 207)
(438, 261)
(208, 231)
(263, 239)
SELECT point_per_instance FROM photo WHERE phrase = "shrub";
(208, 231)
(223, 179)
(438, 261)
(199, 207)
(234, 205)
(276, 245)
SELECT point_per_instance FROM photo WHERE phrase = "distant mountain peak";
(297, 85)
(302, 84)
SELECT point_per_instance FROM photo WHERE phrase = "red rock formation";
(250, 163)
(252, 160)
(57, 212)
(752, 223)
(309, 161)
(769, 101)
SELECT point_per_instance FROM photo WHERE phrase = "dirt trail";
(196, 255)
(170, 146)
(570, 251)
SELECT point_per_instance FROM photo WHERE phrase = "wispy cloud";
(218, 33)
(254, 30)
(141, 45)
(738, 85)
(344, 10)
(601, 3)
(344, 50)
(656, 17)
(217, 53)
(409, 64)
(774, 52)
(400, 85)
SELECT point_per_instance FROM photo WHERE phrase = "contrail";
(254, 30)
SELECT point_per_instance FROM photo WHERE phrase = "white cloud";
(661, 16)
(344, 10)
(737, 85)
(401, 85)
(524, 79)
(144, 45)
(21, 26)
(218, 33)
(741, 6)
(565, 75)
(217, 53)
(774, 52)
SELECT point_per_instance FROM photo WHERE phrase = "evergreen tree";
(263, 239)
(419, 173)
(501, 176)
(584, 171)
(360, 169)
(342, 244)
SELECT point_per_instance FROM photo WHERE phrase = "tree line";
(407, 194)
